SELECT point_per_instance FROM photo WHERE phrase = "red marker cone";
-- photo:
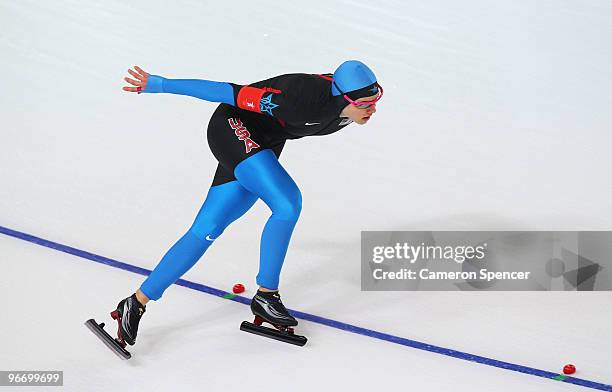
(569, 369)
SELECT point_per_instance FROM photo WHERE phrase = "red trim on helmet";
(326, 77)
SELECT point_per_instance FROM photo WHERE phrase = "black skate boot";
(128, 314)
(268, 307)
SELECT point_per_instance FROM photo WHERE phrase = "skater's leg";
(224, 204)
(264, 177)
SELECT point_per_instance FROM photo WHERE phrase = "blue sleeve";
(198, 88)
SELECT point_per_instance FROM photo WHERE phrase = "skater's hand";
(139, 84)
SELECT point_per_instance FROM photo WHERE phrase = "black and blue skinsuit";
(246, 134)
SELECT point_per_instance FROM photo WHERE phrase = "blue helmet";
(354, 75)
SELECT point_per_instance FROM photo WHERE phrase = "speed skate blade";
(109, 341)
(273, 333)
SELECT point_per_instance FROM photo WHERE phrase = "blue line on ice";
(312, 317)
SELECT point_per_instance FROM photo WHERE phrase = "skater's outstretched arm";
(289, 98)
(144, 82)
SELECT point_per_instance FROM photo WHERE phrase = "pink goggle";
(366, 104)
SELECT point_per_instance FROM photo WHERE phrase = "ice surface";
(495, 116)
